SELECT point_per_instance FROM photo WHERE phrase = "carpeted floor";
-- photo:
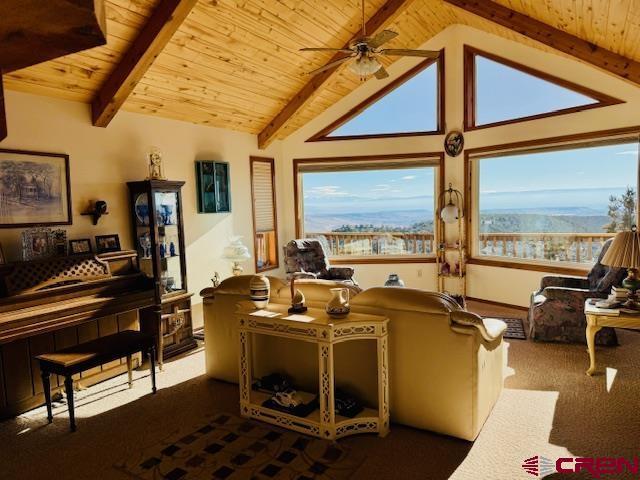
(549, 407)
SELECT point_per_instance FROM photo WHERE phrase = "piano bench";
(72, 360)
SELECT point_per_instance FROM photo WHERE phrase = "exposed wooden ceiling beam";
(553, 37)
(3, 112)
(33, 31)
(154, 36)
(383, 16)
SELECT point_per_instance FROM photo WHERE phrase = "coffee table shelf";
(314, 326)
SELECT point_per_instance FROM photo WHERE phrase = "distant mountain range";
(546, 219)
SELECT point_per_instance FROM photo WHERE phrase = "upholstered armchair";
(307, 259)
(556, 313)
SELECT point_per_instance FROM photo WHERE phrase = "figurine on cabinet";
(155, 164)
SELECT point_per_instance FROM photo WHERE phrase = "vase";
(259, 290)
(394, 281)
(338, 305)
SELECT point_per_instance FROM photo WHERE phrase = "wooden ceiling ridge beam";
(150, 42)
(385, 15)
(552, 37)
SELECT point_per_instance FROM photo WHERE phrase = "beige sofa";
(446, 364)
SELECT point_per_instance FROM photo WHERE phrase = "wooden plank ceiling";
(235, 63)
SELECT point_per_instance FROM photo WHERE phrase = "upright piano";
(50, 304)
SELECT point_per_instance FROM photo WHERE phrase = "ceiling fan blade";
(321, 49)
(404, 52)
(382, 38)
(381, 73)
(330, 65)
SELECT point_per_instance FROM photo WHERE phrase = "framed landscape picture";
(34, 189)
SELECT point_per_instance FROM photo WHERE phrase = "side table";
(604, 317)
(317, 327)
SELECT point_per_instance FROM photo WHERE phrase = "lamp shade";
(365, 66)
(449, 214)
(624, 251)
(236, 251)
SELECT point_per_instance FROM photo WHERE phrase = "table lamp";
(236, 253)
(624, 252)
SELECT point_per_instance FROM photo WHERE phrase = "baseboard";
(498, 304)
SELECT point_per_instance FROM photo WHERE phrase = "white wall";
(498, 284)
(102, 160)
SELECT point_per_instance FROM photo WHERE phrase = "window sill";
(267, 268)
(570, 269)
(380, 260)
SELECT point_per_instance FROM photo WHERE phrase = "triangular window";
(410, 105)
(500, 91)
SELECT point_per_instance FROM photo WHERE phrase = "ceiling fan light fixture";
(365, 66)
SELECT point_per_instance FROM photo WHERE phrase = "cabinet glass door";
(143, 241)
(167, 215)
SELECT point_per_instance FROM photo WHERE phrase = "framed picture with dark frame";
(35, 189)
(107, 243)
(80, 247)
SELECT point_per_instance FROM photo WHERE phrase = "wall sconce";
(98, 209)
(454, 209)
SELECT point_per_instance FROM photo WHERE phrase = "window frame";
(323, 135)
(567, 142)
(272, 163)
(437, 159)
(470, 106)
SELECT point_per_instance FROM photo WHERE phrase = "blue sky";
(410, 108)
(375, 190)
(582, 178)
(504, 93)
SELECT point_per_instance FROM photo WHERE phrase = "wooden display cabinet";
(158, 232)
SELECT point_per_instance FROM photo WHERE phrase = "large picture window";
(374, 209)
(556, 204)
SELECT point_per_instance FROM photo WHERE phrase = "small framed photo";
(107, 243)
(79, 247)
(37, 243)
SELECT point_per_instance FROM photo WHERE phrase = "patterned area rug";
(515, 328)
(229, 447)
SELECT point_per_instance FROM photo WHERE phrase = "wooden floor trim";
(498, 304)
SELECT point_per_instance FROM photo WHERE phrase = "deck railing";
(375, 243)
(561, 247)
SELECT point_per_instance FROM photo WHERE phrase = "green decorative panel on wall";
(213, 187)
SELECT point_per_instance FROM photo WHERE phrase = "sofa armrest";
(568, 294)
(303, 275)
(489, 328)
(567, 282)
(341, 273)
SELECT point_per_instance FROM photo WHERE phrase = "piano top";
(49, 294)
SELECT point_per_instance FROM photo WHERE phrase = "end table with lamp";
(624, 252)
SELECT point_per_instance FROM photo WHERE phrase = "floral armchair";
(557, 314)
(306, 258)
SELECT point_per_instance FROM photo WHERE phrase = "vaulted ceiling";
(235, 63)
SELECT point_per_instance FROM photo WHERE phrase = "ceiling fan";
(364, 52)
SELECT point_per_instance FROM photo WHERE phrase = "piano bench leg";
(68, 387)
(46, 386)
(129, 371)
(152, 362)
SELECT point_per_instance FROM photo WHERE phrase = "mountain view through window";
(556, 205)
(371, 212)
